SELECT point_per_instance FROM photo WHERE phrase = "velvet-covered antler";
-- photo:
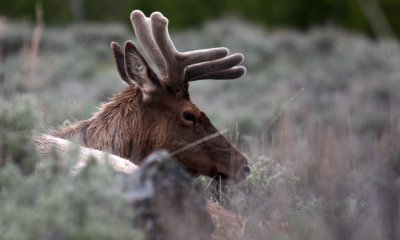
(178, 68)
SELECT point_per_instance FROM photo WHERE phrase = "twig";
(197, 142)
(284, 106)
(33, 51)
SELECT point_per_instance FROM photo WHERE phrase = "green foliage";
(183, 13)
(17, 121)
(48, 202)
(269, 175)
(52, 203)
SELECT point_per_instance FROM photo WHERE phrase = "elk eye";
(188, 116)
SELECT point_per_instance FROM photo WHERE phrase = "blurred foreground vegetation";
(48, 202)
(318, 114)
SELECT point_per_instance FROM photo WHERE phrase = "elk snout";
(239, 166)
(242, 169)
(232, 165)
(246, 170)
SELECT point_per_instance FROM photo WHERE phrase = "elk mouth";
(221, 176)
(229, 165)
(223, 179)
(225, 164)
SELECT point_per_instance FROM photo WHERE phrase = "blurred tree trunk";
(78, 10)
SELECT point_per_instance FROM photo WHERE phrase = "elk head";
(155, 111)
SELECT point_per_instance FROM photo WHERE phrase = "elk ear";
(138, 70)
(120, 62)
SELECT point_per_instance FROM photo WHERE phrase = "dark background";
(374, 17)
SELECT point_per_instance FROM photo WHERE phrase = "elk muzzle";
(240, 167)
(231, 164)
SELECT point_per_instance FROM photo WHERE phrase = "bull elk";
(154, 110)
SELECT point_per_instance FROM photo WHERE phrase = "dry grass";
(322, 182)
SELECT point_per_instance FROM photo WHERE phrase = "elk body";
(154, 111)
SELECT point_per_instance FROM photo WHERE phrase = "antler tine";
(171, 54)
(198, 56)
(160, 33)
(142, 27)
(207, 68)
(177, 61)
(231, 73)
(180, 67)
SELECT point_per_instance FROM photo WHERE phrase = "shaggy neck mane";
(115, 127)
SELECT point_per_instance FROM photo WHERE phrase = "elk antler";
(178, 68)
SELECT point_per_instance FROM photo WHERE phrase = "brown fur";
(130, 128)
(155, 112)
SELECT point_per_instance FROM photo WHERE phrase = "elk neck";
(117, 127)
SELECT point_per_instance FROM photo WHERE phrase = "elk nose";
(246, 170)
